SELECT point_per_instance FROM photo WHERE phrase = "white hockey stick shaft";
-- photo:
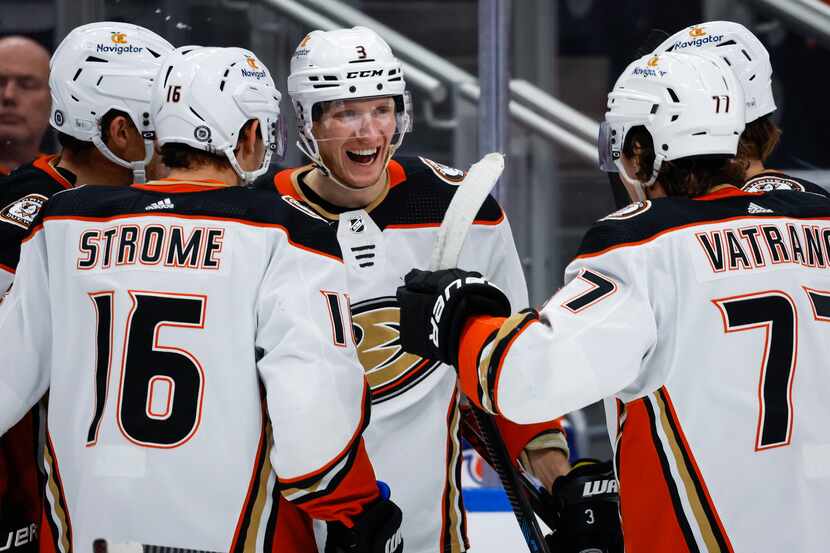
(463, 208)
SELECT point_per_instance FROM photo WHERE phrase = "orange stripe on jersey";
(32, 231)
(6, 268)
(60, 522)
(517, 436)
(481, 222)
(727, 191)
(46, 164)
(188, 217)
(178, 186)
(243, 536)
(453, 522)
(294, 531)
(686, 226)
(477, 333)
(652, 516)
(397, 174)
(706, 514)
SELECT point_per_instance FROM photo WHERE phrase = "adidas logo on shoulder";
(166, 203)
(755, 209)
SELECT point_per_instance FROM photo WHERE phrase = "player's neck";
(756, 166)
(336, 194)
(205, 172)
(93, 168)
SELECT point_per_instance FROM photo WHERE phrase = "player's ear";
(120, 134)
(248, 137)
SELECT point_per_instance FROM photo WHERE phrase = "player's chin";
(362, 174)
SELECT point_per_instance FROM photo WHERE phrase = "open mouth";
(365, 156)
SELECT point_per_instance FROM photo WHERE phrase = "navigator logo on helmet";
(203, 97)
(345, 64)
(744, 53)
(91, 75)
(695, 107)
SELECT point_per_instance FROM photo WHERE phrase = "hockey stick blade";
(465, 204)
(463, 208)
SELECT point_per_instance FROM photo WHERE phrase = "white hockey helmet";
(204, 96)
(345, 64)
(690, 103)
(101, 67)
(744, 53)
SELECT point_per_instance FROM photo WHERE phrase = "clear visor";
(375, 121)
(609, 147)
(276, 138)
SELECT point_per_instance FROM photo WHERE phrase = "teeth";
(368, 152)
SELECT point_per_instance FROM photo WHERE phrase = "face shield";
(609, 146)
(276, 139)
(351, 141)
(374, 122)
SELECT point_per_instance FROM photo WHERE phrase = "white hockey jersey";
(708, 320)
(413, 439)
(170, 322)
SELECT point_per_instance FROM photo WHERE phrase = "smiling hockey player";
(353, 112)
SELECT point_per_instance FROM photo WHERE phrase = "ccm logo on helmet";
(366, 73)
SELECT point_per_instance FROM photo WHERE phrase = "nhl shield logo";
(22, 212)
(356, 224)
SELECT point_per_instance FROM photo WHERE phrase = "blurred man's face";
(24, 91)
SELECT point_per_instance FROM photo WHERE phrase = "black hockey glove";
(377, 530)
(584, 505)
(436, 304)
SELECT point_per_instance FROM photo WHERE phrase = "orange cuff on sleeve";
(348, 500)
(517, 436)
(474, 337)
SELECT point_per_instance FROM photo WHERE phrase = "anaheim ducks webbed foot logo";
(390, 370)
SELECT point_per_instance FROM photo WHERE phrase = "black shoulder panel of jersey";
(246, 205)
(424, 194)
(27, 179)
(22, 195)
(768, 181)
(642, 221)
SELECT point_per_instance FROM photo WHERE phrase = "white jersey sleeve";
(26, 326)
(705, 323)
(309, 362)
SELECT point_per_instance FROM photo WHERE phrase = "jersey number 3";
(161, 388)
(775, 312)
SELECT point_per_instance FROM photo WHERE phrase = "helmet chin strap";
(139, 168)
(247, 177)
(637, 189)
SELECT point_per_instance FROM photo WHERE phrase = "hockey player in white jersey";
(172, 321)
(701, 310)
(750, 62)
(353, 111)
(100, 90)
